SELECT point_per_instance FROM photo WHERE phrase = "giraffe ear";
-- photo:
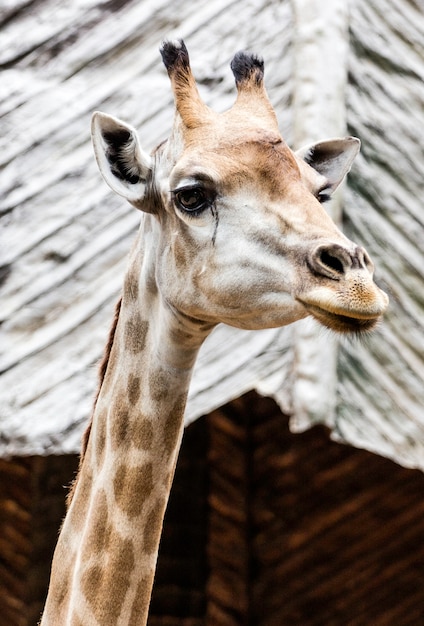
(122, 163)
(332, 158)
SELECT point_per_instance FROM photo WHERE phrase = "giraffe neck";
(105, 560)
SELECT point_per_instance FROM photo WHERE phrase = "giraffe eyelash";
(323, 195)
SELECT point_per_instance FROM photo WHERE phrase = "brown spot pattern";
(62, 589)
(105, 586)
(134, 389)
(173, 424)
(131, 486)
(159, 388)
(99, 529)
(135, 333)
(131, 288)
(153, 527)
(119, 418)
(90, 581)
(159, 385)
(143, 434)
(127, 430)
(141, 603)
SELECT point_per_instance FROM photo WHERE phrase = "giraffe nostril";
(331, 261)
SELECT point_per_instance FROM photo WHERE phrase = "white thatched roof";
(65, 236)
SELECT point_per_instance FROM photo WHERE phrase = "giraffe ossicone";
(233, 230)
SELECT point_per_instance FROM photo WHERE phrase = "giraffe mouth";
(340, 322)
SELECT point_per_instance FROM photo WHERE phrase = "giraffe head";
(240, 233)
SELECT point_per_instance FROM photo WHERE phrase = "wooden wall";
(263, 528)
(32, 506)
(305, 531)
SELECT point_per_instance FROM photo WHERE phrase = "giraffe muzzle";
(344, 296)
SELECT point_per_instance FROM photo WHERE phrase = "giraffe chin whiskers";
(342, 323)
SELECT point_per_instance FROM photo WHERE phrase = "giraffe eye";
(192, 199)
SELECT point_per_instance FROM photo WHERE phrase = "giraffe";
(232, 230)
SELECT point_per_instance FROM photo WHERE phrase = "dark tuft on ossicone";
(246, 66)
(174, 54)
